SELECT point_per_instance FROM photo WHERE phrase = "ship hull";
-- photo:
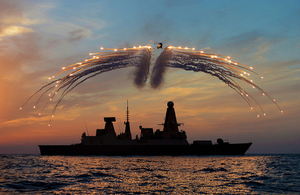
(144, 150)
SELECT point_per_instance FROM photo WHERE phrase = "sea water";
(249, 174)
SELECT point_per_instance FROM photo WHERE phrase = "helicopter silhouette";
(159, 44)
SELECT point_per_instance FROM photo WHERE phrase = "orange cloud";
(14, 30)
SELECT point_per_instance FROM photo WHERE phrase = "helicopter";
(159, 44)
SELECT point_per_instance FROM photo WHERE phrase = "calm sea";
(250, 174)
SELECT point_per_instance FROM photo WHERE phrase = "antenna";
(127, 113)
(86, 128)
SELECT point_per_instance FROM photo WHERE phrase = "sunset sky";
(39, 37)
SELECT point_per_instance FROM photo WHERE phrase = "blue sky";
(37, 38)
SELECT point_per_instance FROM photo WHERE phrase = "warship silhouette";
(169, 141)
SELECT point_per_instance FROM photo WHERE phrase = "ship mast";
(127, 127)
(170, 125)
(127, 113)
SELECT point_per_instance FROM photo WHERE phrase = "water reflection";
(146, 175)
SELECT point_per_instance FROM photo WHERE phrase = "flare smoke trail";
(142, 71)
(99, 63)
(188, 59)
(159, 68)
(219, 66)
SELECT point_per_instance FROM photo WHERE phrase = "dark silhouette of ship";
(169, 141)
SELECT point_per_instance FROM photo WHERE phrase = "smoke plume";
(159, 68)
(142, 71)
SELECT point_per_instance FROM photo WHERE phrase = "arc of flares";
(216, 65)
(99, 63)
(185, 58)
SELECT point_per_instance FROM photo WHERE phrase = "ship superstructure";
(170, 134)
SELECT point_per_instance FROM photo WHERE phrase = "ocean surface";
(249, 174)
